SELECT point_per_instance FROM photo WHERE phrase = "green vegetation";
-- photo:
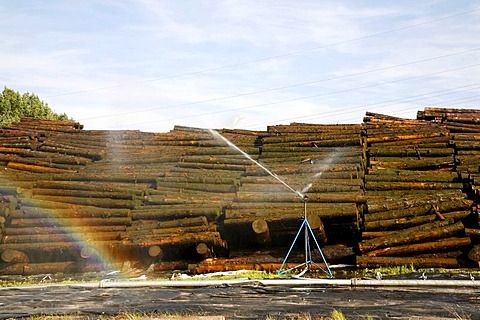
(14, 106)
(337, 315)
(247, 274)
(391, 271)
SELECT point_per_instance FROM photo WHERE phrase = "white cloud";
(138, 64)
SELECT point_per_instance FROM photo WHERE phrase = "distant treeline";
(14, 106)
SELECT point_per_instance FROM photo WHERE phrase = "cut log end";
(155, 251)
(10, 255)
(203, 250)
(262, 231)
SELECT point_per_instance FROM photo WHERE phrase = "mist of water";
(246, 155)
(317, 175)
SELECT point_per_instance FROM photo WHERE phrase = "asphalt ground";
(242, 301)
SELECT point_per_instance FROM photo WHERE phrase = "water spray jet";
(305, 226)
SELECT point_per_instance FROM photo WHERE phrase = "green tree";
(14, 106)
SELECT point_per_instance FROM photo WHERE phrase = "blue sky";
(150, 65)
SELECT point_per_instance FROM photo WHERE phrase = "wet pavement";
(243, 301)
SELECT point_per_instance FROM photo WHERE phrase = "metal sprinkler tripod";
(308, 249)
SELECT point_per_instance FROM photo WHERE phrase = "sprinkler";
(308, 232)
(305, 225)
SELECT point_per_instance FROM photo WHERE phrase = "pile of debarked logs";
(390, 191)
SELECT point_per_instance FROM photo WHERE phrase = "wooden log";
(438, 142)
(423, 209)
(85, 211)
(461, 127)
(470, 118)
(225, 159)
(170, 212)
(155, 251)
(15, 154)
(46, 249)
(394, 203)
(198, 173)
(256, 257)
(317, 155)
(395, 137)
(137, 190)
(221, 188)
(282, 139)
(466, 145)
(343, 197)
(315, 128)
(315, 188)
(474, 253)
(178, 223)
(70, 222)
(59, 230)
(466, 137)
(138, 233)
(210, 238)
(196, 178)
(267, 267)
(414, 221)
(184, 198)
(28, 269)
(119, 177)
(203, 250)
(417, 248)
(65, 149)
(34, 168)
(379, 185)
(378, 262)
(11, 256)
(376, 194)
(433, 111)
(307, 176)
(417, 164)
(170, 266)
(469, 232)
(212, 166)
(261, 231)
(48, 122)
(95, 202)
(352, 170)
(331, 143)
(411, 176)
(61, 237)
(83, 194)
(318, 227)
(268, 209)
(409, 152)
(366, 235)
(430, 231)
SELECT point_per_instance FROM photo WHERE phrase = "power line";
(287, 87)
(403, 99)
(462, 100)
(270, 57)
(278, 102)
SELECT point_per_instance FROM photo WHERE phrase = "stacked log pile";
(464, 127)
(389, 192)
(323, 162)
(417, 212)
(124, 195)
